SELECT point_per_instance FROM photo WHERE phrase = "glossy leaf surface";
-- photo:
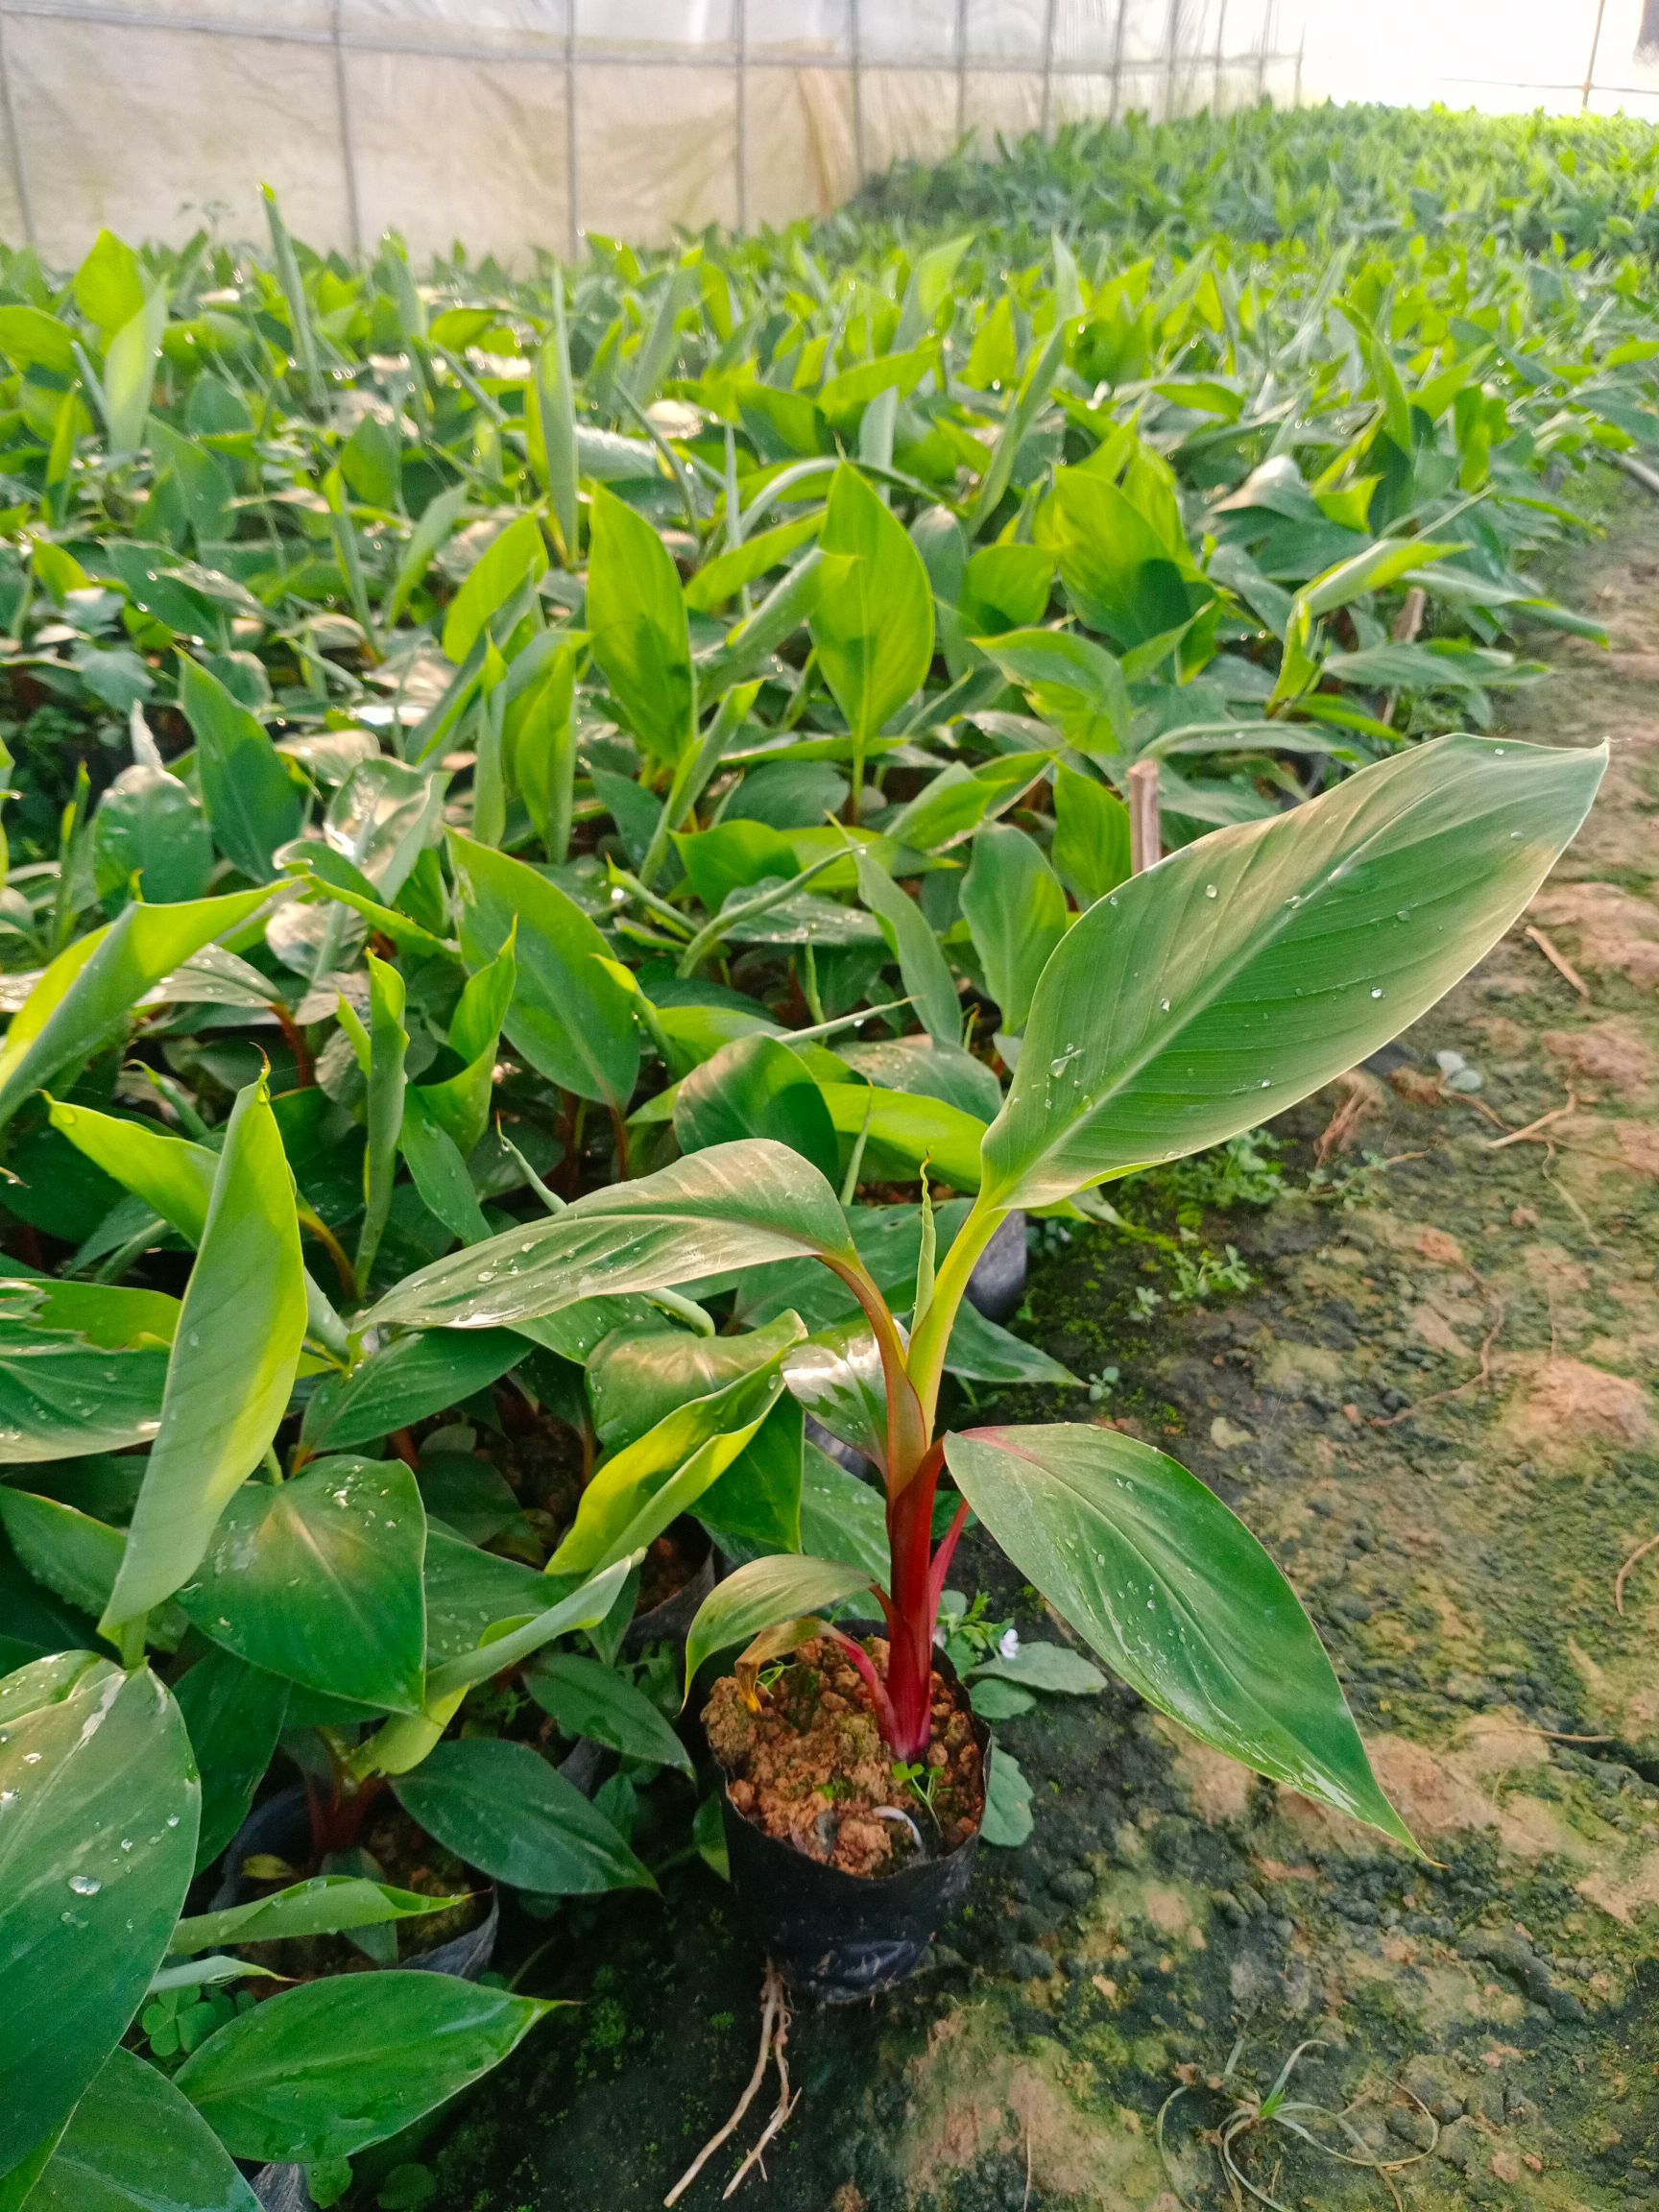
(1176, 1596)
(763, 1594)
(83, 998)
(1214, 990)
(319, 1580)
(134, 2144)
(732, 1206)
(568, 1018)
(326, 2069)
(90, 1759)
(232, 1365)
(501, 1807)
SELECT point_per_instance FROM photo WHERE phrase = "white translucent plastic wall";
(510, 125)
(1563, 56)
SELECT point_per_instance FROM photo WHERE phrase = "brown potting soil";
(670, 1562)
(807, 1763)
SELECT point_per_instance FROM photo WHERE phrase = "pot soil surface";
(1434, 1403)
(805, 1763)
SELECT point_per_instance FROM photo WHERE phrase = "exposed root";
(1640, 1552)
(773, 2042)
(1361, 1100)
(1530, 1135)
(1557, 960)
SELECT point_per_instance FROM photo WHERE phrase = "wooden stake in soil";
(1145, 834)
(773, 2042)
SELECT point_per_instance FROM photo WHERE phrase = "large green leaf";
(756, 1087)
(317, 1580)
(324, 2070)
(732, 1206)
(517, 556)
(1176, 1596)
(664, 1470)
(1091, 853)
(637, 615)
(232, 1365)
(843, 1518)
(327, 1904)
(83, 998)
(234, 1714)
(570, 1018)
(1207, 994)
(902, 1128)
(135, 2145)
(923, 966)
(83, 1368)
(171, 1175)
(252, 801)
(404, 1382)
(1071, 681)
(592, 1701)
(469, 1592)
(873, 617)
(150, 827)
(98, 1808)
(1016, 912)
(67, 1551)
(502, 1808)
(761, 1595)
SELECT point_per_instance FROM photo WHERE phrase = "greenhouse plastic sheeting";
(513, 125)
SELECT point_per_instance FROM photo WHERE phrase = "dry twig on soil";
(1557, 960)
(1640, 1552)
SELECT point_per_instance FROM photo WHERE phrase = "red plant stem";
(304, 1073)
(873, 1681)
(942, 1557)
(913, 1607)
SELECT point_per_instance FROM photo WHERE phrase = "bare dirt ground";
(1434, 1404)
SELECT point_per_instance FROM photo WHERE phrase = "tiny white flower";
(1008, 1644)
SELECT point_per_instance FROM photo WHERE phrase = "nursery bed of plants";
(572, 894)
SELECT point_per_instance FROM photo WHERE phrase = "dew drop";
(1402, 913)
(6, 1798)
(1209, 891)
(1377, 993)
(84, 1884)
(1163, 1005)
(1266, 1082)
(31, 1758)
(172, 1820)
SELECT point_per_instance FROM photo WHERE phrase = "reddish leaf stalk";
(912, 1605)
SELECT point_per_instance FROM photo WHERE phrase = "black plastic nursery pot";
(669, 1621)
(997, 1283)
(836, 1937)
(282, 1824)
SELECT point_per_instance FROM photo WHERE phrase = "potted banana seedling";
(1194, 1001)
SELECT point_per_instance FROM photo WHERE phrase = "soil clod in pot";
(807, 1765)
